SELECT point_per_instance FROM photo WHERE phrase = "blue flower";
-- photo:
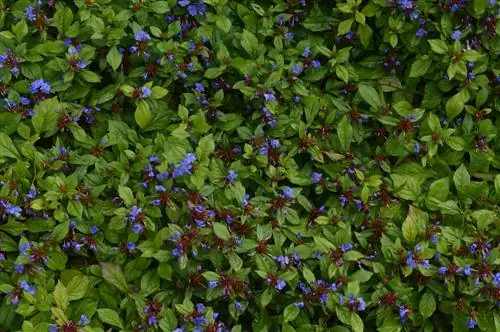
(199, 87)
(200, 308)
(199, 321)
(142, 36)
(40, 86)
(346, 247)
(12, 210)
(269, 96)
(23, 248)
(84, 320)
(434, 238)
(288, 193)
(456, 35)
(53, 328)
(134, 212)
(131, 246)
(306, 52)
(145, 92)
(137, 228)
(94, 229)
(421, 32)
(212, 284)
(315, 64)
(30, 12)
(231, 175)
(160, 188)
(152, 320)
(403, 313)
(238, 305)
(299, 305)
(442, 270)
(275, 143)
(154, 159)
(496, 279)
(410, 261)
(244, 202)
(471, 75)
(297, 69)
(467, 271)
(81, 64)
(316, 177)
(361, 304)
(280, 284)
(471, 323)
(264, 150)
(25, 286)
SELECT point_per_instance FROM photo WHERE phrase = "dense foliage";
(249, 165)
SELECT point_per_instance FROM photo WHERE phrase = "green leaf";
(142, 114)
(206, 146)
(308, 275)
(357, 323)
(290, 313)
(370, 95)
(345, 27)
(439, 189)
(352, 255)
(461, 178)
(420, 67)
(90, 76)
(483, 218)
(111, 317)
(235, 261)
(113, 274)
(50, 48)
(409, 228)
(77, 287)
(114, 58)
(45, 118)
(365, 34)
(223, 23)
(126, 194)
(456, 143)
(427, 305)
(455, 105)
(7, 147)
(345, 133)
(479, 6)
(20, 29)
(157, 92)
(61, 296)
(438, 46)
(63, 19)
(160, 7)
(249, 42)
(214, 72)
(9, 123)
(221, 231)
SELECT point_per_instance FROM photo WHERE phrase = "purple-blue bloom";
(142, 36)
(456, 35)
(40, 86)
(231, 175)
(288, 193)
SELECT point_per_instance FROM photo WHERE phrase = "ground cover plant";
(249, 165)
